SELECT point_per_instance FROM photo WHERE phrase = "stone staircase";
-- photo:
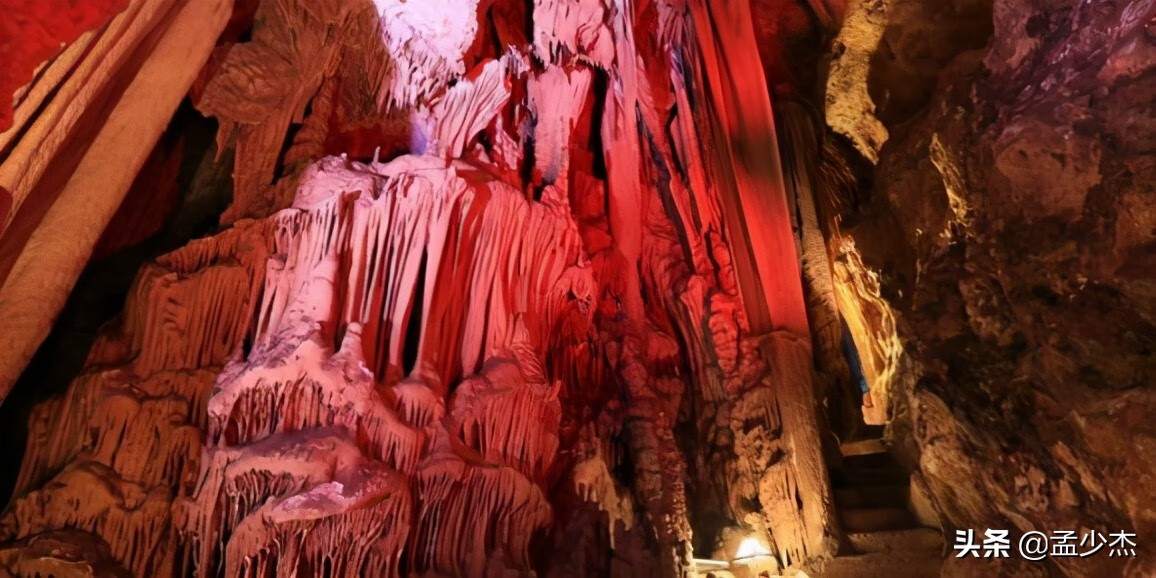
(884, 538)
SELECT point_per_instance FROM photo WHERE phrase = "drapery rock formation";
(77, 135)
(530, 326)
(567, 287)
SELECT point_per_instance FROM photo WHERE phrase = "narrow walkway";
(884, 539)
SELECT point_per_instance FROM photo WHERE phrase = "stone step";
(863, 447)
(862, 476)
(871, 461)
(925, 540)
(859, 520)
(869, 432)
(872, 496)
(879, 565)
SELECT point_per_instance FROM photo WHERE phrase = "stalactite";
(261, 397)
(434, 361)
(593, 483)
(507, 420)
(466, 108)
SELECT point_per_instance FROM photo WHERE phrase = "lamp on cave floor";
(751, 550)
(753, 558)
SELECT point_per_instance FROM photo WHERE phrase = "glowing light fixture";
(751, 550)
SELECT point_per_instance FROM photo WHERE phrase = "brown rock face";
(1012, 214)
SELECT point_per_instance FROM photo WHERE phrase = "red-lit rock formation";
(83, 127)
(31, 33)
(525, 287)
(565, 313)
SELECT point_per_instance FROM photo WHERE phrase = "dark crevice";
(414, 319)
(526, 169)
(601, 86)
(99, 294)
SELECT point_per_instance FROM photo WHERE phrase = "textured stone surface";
(513, 288)
(85, 129)
(1008, 215)
(482, 295)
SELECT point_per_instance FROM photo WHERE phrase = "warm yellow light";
(751, 548)
(705, 564)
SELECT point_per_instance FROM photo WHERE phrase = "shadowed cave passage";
(573, 288)
(166, 208)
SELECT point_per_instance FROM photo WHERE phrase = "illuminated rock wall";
(1011, 219)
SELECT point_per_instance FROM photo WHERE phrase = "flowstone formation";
(307, 450)
(494, 300)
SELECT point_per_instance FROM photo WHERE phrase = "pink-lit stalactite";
(412, 344)
(766, 263)
(455, 475)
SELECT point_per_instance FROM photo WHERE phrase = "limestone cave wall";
(1011, 214)
(503, 288)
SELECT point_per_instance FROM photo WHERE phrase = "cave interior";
(567, 288)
